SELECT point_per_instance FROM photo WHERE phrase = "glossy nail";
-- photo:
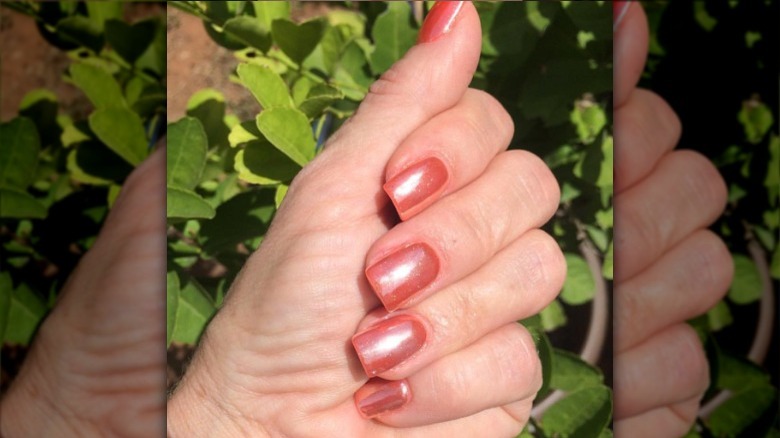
(420, 182)
(619, 9)
(379, 396)
(402, 274)
(439, 21)
(388, 343)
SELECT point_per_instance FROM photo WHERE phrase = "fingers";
(447, 152)
(455, 236)
(630, 50)
(646, 128)
(431, 78)
(685, 193)
(517, 283)
(501, 368)
(673, 420)
(669, 368)
(685, 282)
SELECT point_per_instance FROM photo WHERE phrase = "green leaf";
(268, 11)
(261, 163)
(130, 41)
(552, 316)
(545, 350)
(18, 153)
(172, 303)
(746, 285)
(737, 413)
(15, 203)
(249, 31)
(102, 11)
(244, 132)
(6, 290)
(208, 106)
(41, 107)
(607, 268)
(93, 163)
(719, 316)
(393, 35)
(297, 40)
(774, 265)
(82, 31)
(268, 87)
(589, 119)
(122, 130)
(581, 414)
(756, 119)
(195, 309)
(27, 311)
(772, 181)
(579, 286)
(100, 87)
(186, 153)
(186, 204)
(281, 192)
(737, 374)
(243, 217)
(289, 131)
(571, 373)
(318, 99)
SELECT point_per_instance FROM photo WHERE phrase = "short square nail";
(439, 21)
(416, 184)
(400, 275)
(388, 343)
(379, 396)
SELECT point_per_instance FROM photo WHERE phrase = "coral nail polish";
(619, 9)
(403, 273)
(388, 343)
(439, 21)
(379, 396)
(418, 183)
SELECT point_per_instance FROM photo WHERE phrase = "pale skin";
(277, 358)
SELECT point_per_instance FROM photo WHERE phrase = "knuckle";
(517, 362)
(542, 268)
(533, 183)
(713, 267)
(702, 183)
(668, 121)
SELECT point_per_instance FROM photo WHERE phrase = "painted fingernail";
(388, 343)
(439, 21)
(379, 396)
(402, 274)
(411, 188)
(619, 9)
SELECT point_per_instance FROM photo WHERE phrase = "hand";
(669, 267)
(96, 364)
(466, 263)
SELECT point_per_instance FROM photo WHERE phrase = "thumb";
(431, 78)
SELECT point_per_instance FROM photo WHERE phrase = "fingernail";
(379, 396)
(619, 9)
(439, 21)
(418, 183)
(388, 343)
(403, 273)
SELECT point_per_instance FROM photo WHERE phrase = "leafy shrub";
(226, 177)
(60, 173)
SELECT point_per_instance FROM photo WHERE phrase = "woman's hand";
(96, 367)
(468, 261)
(668, 266)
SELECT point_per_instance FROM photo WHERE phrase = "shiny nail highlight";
(420, 182)
(388, 343)
(439, 21)
(619, 9)
(400, 275)
(379, 396)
